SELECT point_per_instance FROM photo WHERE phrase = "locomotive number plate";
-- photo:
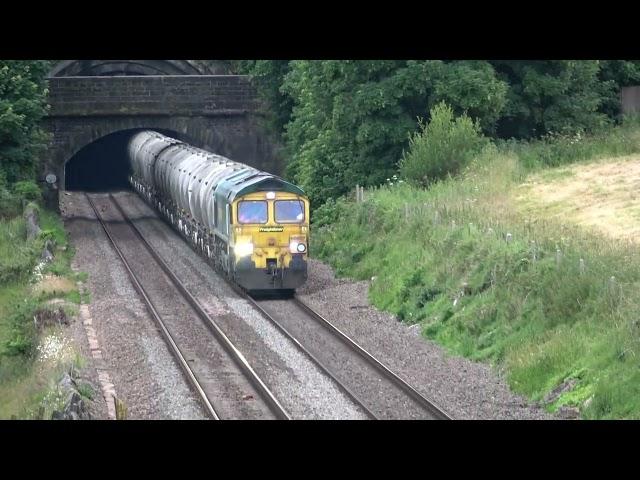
(271, 229)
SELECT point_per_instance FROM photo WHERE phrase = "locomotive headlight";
(243, 249)
(298, 245)
(271, 195)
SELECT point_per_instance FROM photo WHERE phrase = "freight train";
(251, 225)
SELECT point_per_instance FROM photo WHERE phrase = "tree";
(268, 75)
(22, 106)
(347, 122)
(621, 73)
(351, 120)
(562, 96)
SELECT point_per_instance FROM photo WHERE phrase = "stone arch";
(102, 163)
(82, 68)
(224, 136)
(86, 137)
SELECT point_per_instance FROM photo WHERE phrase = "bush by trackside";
(27, 190)
(441, 147)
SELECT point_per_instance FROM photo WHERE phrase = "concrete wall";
(630, 97)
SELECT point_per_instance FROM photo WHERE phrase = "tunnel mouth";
(100, 166)
(103, 165)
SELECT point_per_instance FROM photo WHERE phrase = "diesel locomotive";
(249, 224)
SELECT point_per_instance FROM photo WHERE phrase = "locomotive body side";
(251, 225)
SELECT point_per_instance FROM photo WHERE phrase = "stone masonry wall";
(220, 113)
(151, 95)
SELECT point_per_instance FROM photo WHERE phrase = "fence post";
(121, 409)
(534, 256)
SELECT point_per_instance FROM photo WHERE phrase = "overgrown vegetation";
(32, 347)
(27, 375)
(346, 122)
(441, 147)
(547, 301)
(22, 106)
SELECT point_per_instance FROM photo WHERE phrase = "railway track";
(336, 349)
(402, 401)
(220, 377)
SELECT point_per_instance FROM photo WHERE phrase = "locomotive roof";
(249, 180)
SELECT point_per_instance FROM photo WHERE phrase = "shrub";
(22, 339)
(329, 212)
(16, 255)
(441, 147)
(555, 149)
(27, 190)
(9, 206)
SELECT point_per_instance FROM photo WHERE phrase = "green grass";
(17, 257)
(24, 389)
(557, 150)
(441, 258)
(86, 390)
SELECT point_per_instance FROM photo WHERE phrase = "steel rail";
(427, 404)
(173, 347)
(422, 400)
(231, 349)
(302, 348)
(243, 294)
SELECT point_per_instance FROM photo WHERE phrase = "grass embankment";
(33, 357)
(481, 266)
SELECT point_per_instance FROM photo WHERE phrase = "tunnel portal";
(91, 100)
(103, 165)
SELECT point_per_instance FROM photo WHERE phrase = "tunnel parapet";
(152, 95)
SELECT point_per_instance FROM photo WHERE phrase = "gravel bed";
(228, 389)
(97, 407)
(296, 382)
(382, 397)
(463, 388)
(133, 352)
(174, 396)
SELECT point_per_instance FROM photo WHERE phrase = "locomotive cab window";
(289, 211)
(253, 211)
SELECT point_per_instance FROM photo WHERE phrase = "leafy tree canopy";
(347, 122)
(22, 106)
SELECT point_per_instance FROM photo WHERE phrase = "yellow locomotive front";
(270, 240)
